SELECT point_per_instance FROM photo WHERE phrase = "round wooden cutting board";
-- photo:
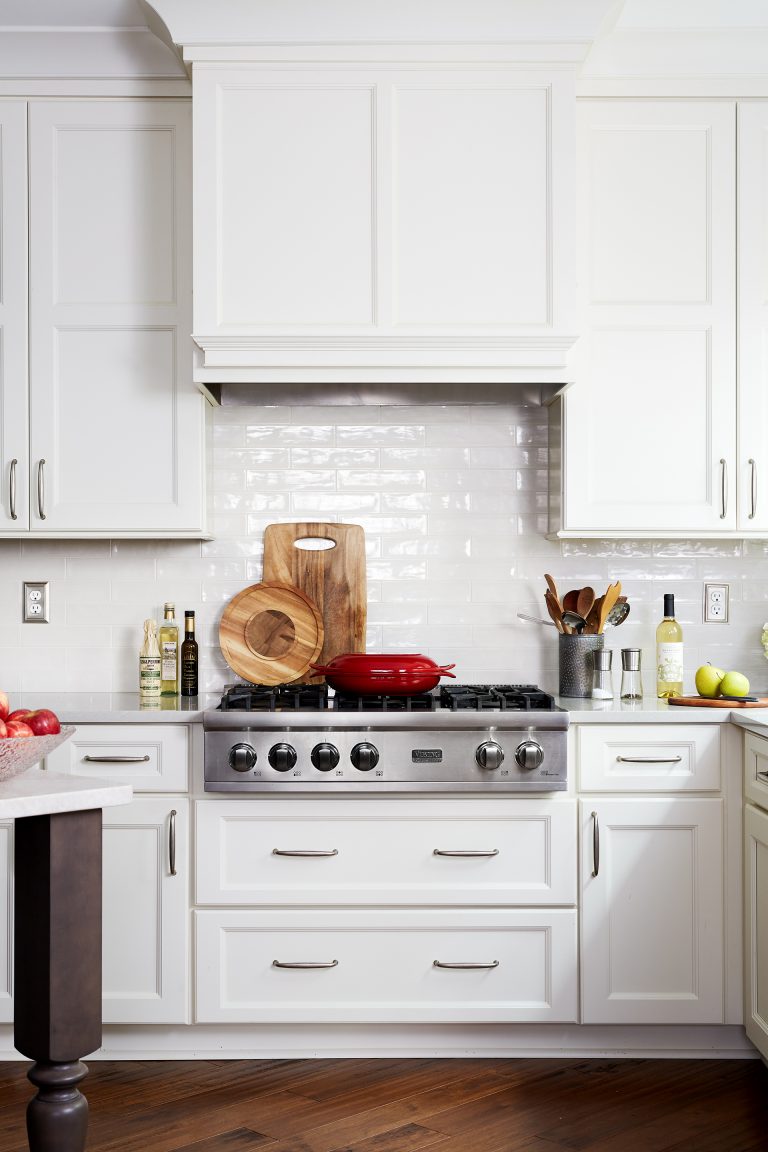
(270, 633)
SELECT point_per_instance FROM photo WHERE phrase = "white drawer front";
(384, 968)
(386, 852)
(649, 758)
(150, 757)
(756, 768)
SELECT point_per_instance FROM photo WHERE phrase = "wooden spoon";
(611, 596)
(553, 589)
(570, 600)
(585, 601)
(554, 609)
(593, 619)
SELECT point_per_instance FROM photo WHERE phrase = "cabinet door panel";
(113, 413)
(6, 921)
(650, 423)
(753, 317)
(14, 513)
(756, 925)
(652, 918)
(145, 975)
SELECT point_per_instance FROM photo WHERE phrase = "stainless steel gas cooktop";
(295, 738)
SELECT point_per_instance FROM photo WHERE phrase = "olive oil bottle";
(169, 652)
(669, 653)
(189, 657)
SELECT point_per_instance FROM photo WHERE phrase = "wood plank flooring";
(410, 1105)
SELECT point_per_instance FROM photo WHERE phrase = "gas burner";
(504, 697)
(275, 698)
(351, 702)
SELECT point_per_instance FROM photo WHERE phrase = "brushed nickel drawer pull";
(763, 775)
(724, 488)
(309, 853)
(305, 964)
(468, 966)
(41, 489)
(172, 843)
(470, 853)
(595, 845)
(649, 759)
(753, 477)
(12, 490)
(117, 759)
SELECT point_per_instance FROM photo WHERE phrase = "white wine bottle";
(149, 665)
(669, 653)
(169, 653)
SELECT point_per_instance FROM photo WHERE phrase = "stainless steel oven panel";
(409, 760)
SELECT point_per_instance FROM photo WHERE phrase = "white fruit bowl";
(19, 753)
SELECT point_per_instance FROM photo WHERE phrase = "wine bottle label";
(149, 676)
(170, 648)
(669, 658)
(189, 672)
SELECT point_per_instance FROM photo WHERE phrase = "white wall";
(453, 502)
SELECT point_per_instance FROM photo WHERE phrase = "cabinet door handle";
(172, 843)
(116, 759)
(305, 963)
(595, 844)
(724, 487)
(469, 966)
(41, 489)
(469, 852)
(648, 759)
(763, 775)
(309, 853)
(753, 486)
(12, 489)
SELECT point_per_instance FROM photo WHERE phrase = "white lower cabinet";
(464, 910)
(652, 943)
(6, 921)
(145, 909)
(756, 925)
(386, 966)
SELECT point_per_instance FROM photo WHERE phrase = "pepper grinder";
(631, 683)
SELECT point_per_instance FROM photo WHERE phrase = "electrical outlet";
(716, 603)
(35, 602)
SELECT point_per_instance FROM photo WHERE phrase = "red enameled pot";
(377, 674)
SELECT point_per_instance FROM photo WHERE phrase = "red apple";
(3, 730)
(5, 706)
(19, 714)
(43, 722)
(17, 728)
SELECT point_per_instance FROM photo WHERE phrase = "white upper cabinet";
(354, 217)
(649, 427)
(753, 318)
(108, 428)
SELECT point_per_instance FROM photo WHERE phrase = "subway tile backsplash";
(453, 502)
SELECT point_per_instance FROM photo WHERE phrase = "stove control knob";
(529, 755)
(282, 757)
(490, 755)
(242, 757)
(325, 757)
(364, 757)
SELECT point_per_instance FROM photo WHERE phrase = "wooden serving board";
(270, 633)
(706, 702)
(334, 578)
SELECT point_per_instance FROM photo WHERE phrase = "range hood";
(382, 192)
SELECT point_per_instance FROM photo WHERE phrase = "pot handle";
(443, 670)
(321, 668)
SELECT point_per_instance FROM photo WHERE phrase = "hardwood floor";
(409, 1105)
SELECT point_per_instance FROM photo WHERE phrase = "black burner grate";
(275, 698)
(498, 697)
(351, 702)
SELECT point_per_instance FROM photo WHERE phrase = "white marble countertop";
(649, 710)
(37, 793)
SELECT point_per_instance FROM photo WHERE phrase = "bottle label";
(189, 673)
(149, 676)
(169, 651)
(669, 658)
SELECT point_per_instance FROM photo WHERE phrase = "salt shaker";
(631, 683)
(602, 684)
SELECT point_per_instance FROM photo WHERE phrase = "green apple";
(709, 680)
(734, 684)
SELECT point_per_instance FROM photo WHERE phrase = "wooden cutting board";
(270, 633)
(705, 702)
(334, 578)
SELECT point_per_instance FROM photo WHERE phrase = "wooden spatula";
(611, 596)
(593, 619)
(555, 611)
(553, 589)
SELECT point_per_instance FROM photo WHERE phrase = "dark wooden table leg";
(57, 995)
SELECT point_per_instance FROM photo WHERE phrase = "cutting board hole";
(270, 634)
(314, 543)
